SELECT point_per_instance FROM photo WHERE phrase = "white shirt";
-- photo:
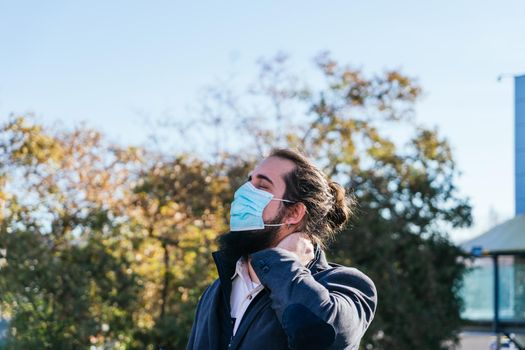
(243, 292)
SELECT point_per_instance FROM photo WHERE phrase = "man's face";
(268, 176)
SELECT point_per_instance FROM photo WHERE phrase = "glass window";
(478, 289)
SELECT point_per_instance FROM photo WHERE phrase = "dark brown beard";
(244, 243)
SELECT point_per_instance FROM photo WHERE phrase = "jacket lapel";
(259, 303)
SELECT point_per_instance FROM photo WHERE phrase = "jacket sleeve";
(193, 335)
(191, 340)
(333, 312)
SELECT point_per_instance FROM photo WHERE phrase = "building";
(494, 290)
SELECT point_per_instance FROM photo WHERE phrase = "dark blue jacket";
(321, 306)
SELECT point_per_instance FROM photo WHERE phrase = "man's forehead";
(274, 168)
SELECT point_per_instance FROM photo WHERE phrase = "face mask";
(247, 208)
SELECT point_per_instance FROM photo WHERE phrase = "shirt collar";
(241, 270)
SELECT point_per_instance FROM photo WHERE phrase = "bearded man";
(276, 289)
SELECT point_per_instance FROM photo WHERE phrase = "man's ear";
(295, 214)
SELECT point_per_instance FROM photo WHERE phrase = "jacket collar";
(319, 261)
(226, 264)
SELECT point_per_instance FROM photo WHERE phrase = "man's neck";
(251, 272)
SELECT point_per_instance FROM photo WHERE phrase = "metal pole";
(496, 301)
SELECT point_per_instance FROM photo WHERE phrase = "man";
(275, 288)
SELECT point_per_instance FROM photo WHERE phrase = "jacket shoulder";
(206, 298)
(350, 277)
(210, 290)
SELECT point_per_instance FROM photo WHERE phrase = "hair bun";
(340, 212)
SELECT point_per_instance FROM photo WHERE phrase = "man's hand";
(299, 244)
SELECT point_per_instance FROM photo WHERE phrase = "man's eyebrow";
(262, 177)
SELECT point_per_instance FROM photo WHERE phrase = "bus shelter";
(494, 289)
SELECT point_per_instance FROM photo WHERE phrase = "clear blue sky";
(106, 62)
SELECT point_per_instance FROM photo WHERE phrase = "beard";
(243, 243)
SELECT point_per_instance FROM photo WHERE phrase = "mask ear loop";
(283, 200)
(286, 201)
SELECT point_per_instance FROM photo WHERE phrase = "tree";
(63, 279)
(178, 208)
(101, 244)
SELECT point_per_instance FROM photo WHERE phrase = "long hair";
(328, 208)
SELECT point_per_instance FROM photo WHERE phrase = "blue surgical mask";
(247, 208)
